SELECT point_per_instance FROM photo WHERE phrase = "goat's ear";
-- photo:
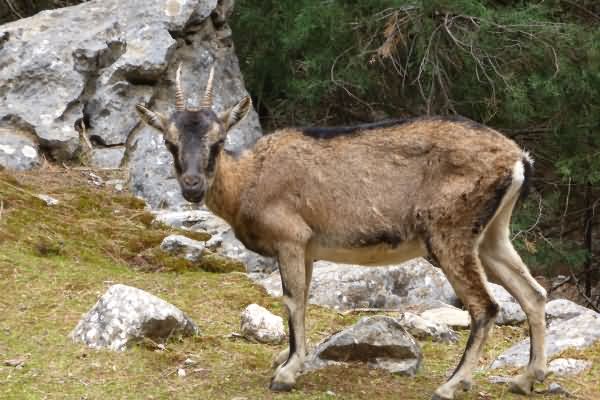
(153, 119)
(235, 114)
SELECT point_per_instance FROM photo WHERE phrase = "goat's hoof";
(438, 397)
(520, 386)
(466, 385)
(541, 374)
(281, 387)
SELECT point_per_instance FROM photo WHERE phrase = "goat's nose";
(191, 180)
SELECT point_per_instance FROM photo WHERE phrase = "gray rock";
(509, 312)
(125, 315)
(562, 309)
(18, 151)
(422, 328)
(556, 388)
(180, 245)
(379, 341)
(107, 158)
(49, 200)
(579, 332)
(345, 287)
(568, 366)
(259, 324)
(448, 315)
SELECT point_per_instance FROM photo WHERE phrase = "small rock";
(50, 201)
(181, 372)
(182, 219)
(181, 245)
(125, 315)
(499, 380)
(449, 315)
(422, 328)
(16, 362)
(379, 341)
(568, 366)
(555, 388)
(261, 325)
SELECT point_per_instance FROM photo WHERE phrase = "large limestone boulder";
(125, 315)
(345, 287)
(92, 63)
(380, 342)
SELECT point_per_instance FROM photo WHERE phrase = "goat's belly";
(381, 254)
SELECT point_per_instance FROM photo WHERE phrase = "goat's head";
(195, 136)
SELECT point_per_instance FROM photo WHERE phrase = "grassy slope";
(56, 261)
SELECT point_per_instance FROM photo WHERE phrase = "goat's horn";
(207, 101)
(179, 96)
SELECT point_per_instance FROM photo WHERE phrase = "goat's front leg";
(293, 281)
(308, 268)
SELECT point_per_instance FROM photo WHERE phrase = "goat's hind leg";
(465, 273)
(293, 279)
(503, 264)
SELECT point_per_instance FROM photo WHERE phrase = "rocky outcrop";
(345, 287)
(380, 342)
(259, 324)
(125, 315)
(90, 64)
(223, 240)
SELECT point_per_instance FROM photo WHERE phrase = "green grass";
(56, 261)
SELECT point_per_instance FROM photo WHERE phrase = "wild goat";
(373, 194)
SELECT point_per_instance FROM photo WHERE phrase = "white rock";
(50, 201)
(261, 325)
(181, 245)
(568, 366)
(449, 315)
(422, 328)
(125, 315)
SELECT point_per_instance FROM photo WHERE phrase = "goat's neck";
(223, 196)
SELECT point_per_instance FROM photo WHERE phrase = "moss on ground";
(56, 261)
